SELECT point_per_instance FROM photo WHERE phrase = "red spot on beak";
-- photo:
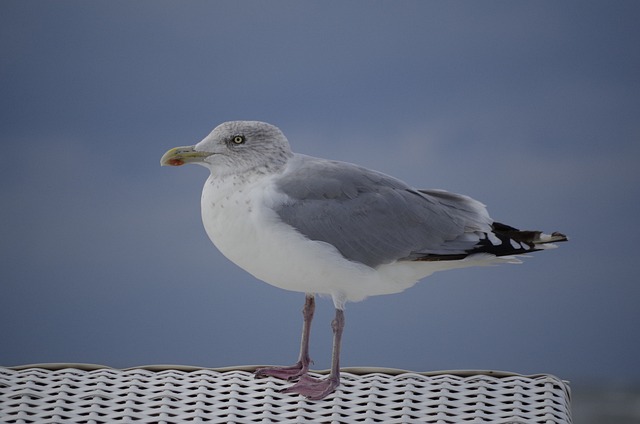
(175, 162)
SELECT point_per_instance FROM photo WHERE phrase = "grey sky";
(530, 107)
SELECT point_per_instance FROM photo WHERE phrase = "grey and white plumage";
(327, 227)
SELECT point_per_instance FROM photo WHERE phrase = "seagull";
(324, 227)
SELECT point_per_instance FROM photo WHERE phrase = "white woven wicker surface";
(89, 394)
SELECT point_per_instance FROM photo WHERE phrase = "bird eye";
(239, 139)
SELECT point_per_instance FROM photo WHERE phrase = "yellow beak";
(181, 155)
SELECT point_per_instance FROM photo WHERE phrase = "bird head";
(235, 147)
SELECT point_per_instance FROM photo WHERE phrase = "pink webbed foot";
(301, 367)
(314, 388)
(296, 370)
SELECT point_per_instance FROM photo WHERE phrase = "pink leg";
(301, 367)
(319, 388)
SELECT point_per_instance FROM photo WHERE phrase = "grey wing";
(374, 219)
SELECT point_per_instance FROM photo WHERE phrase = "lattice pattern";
(105, 395)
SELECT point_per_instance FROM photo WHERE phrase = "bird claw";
(314, 388)
(283, 373)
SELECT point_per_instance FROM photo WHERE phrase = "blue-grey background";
(531, 107)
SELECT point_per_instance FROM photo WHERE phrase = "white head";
(235, 147)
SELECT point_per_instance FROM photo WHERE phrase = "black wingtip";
(504, 240)
(558, 237)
